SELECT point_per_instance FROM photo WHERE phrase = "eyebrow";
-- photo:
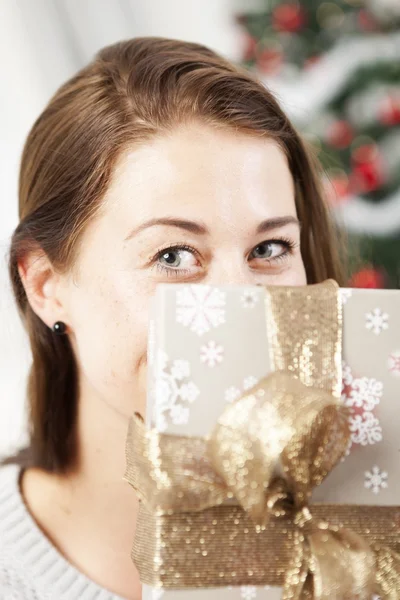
(270, 224)
(201, 229)
(192, 226)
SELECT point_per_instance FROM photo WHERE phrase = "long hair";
(130, 92)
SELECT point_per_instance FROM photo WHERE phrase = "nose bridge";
(230, 268)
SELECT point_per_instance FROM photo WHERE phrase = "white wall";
(42, 43)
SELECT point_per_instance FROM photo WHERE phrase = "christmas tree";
(335, 67)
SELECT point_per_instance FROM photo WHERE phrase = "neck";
(90, 514)
(105, 504)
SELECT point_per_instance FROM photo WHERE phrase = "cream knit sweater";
(30, 566)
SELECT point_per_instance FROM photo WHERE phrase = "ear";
(42, 285)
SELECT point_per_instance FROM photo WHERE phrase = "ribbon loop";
(281, 426)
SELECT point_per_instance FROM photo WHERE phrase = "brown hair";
(128, 93)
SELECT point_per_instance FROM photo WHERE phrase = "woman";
(158, 162)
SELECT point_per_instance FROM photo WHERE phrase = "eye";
(272, 250)
(264, 250)
(172, 258)
(177, 260)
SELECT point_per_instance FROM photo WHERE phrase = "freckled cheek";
(128, 327)
(111, 331)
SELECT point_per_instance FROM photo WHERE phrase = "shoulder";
(10, 496)
(9, 484)
(11, 504)
(11, 579)
(9, 475)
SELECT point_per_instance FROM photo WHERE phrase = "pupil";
(263, 251)
(170, 258)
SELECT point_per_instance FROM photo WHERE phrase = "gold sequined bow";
(271, 448)
(238, 500)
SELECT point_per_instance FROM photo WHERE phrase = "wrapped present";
(268, 465)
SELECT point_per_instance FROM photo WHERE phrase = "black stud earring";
(59, 328)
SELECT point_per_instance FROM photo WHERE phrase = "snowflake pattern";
(248, 592)
(365, 393)
(376, 480)
(365, 429)
(179, 414)
(345, 294)
(211, 354)
(249, 382)
(377, 321)
(249, 298)
(233, 392)
(172, 391)
(188, 392)
(200, 307)
(180, 369)
(347, 375)
(394, 363)
(362, 396)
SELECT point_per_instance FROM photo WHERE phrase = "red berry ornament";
(288, 17)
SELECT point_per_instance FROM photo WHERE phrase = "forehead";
(198, 169)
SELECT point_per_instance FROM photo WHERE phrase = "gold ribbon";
(253, 477)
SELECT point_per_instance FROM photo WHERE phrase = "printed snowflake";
(248, 592)
(171, 392)
(394, 363)
(365, 429)
(200, 307)
(377, 321)
(249, 382)
(179, 414)
(249, 298)
(362, 395)
(347, 375)
(188, 391)
(365, 393)
(376, 480)
(345, 294)
(180, 369)
(233, 392)
(211, 354)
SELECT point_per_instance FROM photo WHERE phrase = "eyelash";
(287, 243)
(174, 248)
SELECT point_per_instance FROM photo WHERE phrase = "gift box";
(210, 348)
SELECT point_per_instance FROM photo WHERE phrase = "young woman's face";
(200, 205)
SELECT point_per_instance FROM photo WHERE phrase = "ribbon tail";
(343, 564)
(387, 573)
(297, 584)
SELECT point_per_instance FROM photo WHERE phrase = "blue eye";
(273, 250)
(177, 260)
(264, 250)
(171, 258)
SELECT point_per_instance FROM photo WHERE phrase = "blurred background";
(334, 66)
